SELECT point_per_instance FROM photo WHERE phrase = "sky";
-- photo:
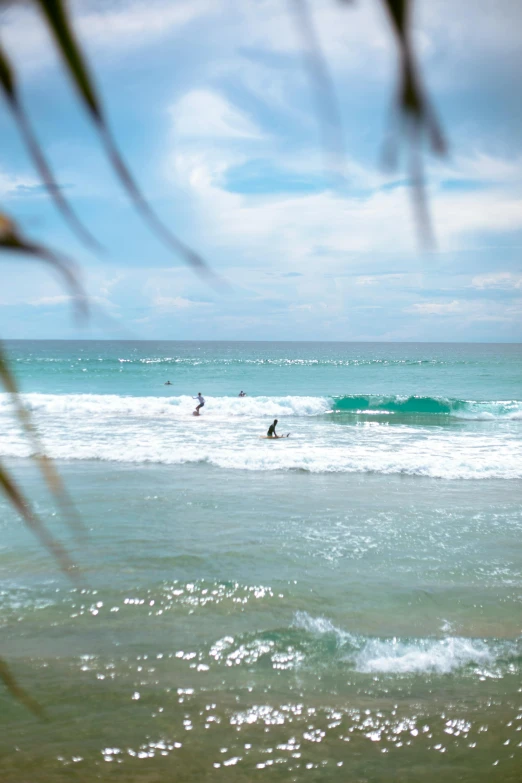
(213, 109)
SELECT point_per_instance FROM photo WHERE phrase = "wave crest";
(419, 405)
(413, 655)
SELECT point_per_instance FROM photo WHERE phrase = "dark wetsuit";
(271, 431)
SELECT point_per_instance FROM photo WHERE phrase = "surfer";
(201, 400)
(168, 383)
(271, 431)
(242, 394)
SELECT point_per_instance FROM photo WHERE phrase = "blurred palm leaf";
(18, 500)
(11, 240)
(46, 466)
(415, 112)
(58, 21)
(8, 84)
(328, 111)
(19, 693)
(412, 99)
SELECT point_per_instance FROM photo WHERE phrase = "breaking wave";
(417, 405)
(162, 430)
(113, 404)
(315, 642)
(412, 655)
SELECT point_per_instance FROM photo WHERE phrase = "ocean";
(344, 604)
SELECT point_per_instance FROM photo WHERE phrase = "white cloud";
(435, 308)
(65, 299)
(45, 301)
(12, 185)
(480, 167)
(135, 23)
(100, 27)
(293, 226)
(500, 280)
(206, 114)
(465, 313)
(471, 32)
(176, 303)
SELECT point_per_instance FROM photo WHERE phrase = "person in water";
(271, 430)
(242, 394)
(168, 383)
(201, 400)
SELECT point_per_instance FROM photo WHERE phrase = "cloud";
(176, 303)
(104, 27)
(65, 299)
(500, 280)
(294, 226)
(206, 114)
(52, 301)
(435, 308)
(467, 313)
(17, 185)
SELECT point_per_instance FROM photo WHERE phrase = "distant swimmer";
(201, 400)
(168, 383)
(242, 394)
(272, 431)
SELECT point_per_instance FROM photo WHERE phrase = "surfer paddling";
(272, 431)
(201, 401)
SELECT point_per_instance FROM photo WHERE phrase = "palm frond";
(58, 21)
(46, 466)
(8, 84)
(20, 503)
(11, 240)
(327, 106)
(415, 114)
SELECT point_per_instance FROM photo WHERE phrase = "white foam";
(217, 407)
(321, 626)
(441, 656)
(162, 430)
(410, 656)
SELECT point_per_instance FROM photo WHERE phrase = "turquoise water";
(341, 605)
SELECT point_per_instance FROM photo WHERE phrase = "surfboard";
(279, 437)
(195, 413)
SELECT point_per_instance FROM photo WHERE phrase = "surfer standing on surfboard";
(201, 403)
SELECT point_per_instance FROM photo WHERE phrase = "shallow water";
(341, 605)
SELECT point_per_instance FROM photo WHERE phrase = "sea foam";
(395, 655)
(162, 430)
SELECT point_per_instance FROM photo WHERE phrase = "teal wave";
(360, 403)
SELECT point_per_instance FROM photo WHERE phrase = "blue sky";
(214, 113)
